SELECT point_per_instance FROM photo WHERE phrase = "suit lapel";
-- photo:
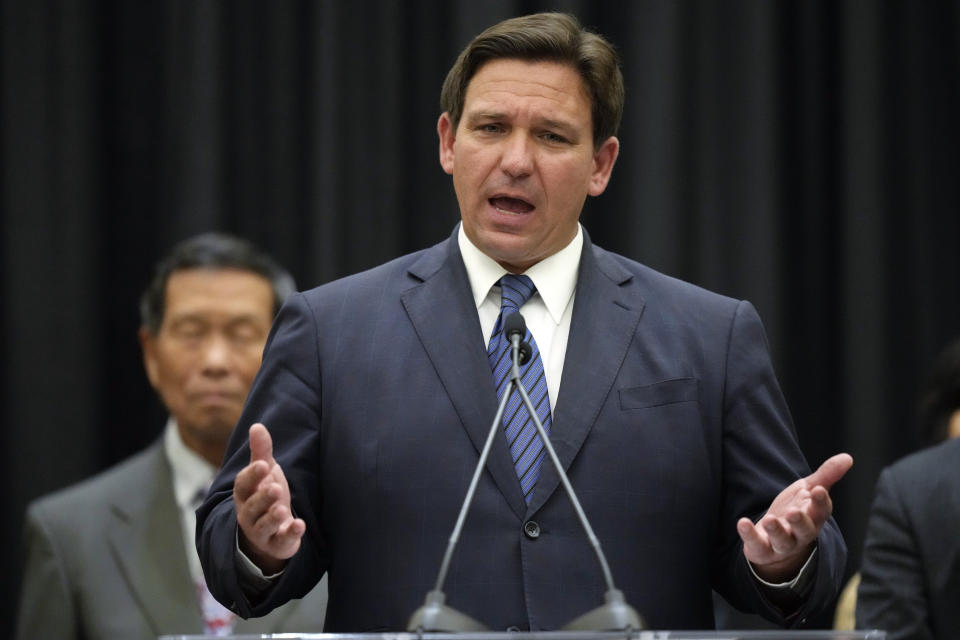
(606, 312)
(148, 546)
(453, 342)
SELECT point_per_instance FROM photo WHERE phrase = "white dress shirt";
(192, 476)
(547, 312)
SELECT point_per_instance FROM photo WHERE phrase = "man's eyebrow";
(244, 318)
(473, 116)
(187, 316)
(484, 115)
(558, 124)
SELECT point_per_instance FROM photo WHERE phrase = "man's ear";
(603, 160)
(953, 426)
(448, 135)
(148, 344)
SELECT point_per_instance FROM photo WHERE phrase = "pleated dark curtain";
(803, 155)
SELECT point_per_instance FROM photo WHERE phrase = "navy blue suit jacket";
(378, 395)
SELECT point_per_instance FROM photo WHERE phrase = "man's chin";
(513, 261)
(513, 251)
(214, 424)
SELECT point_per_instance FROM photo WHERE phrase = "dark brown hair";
(210, 251)
(940, 396)
(546, 37)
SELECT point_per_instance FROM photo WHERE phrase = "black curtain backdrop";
(803, 155)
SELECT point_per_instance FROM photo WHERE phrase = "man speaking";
(377, 391)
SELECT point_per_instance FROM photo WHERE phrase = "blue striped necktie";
(526, 447)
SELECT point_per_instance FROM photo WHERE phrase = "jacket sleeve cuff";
(253, 582)
(801, 583)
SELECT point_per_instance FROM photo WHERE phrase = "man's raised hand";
(269, 534)
(779, 544)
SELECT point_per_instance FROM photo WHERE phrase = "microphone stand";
(435, 615)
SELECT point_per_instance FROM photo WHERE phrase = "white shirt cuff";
(792, 584)
(248, 567)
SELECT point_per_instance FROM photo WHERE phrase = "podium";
(565, 635)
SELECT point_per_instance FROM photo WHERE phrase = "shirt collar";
(555, 276)
(191, 472)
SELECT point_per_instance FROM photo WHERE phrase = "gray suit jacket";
(378, 394)
(910, 582)
(106, 561)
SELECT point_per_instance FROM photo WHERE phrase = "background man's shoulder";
(69, 508)
(928, 468)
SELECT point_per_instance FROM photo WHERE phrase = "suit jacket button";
(531, 529)
(513, 627)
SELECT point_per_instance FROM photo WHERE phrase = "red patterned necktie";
(217, 619)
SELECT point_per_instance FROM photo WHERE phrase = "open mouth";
(511, 205)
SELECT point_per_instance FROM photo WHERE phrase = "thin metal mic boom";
(615, 613)
(435, 615)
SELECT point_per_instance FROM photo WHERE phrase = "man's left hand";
(779, 544)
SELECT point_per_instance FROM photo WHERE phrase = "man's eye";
(556, 138)
(188, 331)
(491, 128)
(244, 333)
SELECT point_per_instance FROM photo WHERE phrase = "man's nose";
(216, 356)
(517, 158)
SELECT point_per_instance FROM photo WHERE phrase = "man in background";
(113, 557)
(910, 575)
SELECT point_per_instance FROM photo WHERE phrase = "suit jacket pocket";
(660, 393)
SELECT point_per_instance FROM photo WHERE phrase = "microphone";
(614, 615)
(515, 328)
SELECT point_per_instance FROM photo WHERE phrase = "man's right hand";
(269, 534)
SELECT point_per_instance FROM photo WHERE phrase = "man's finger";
(781, 539)
(292, 530)
(803, 527)
(820, 507)
(261, 446)
(830, 471)
(249, 478)
(749, 534)
(263, 517)
(260, 503)
(280, 531)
